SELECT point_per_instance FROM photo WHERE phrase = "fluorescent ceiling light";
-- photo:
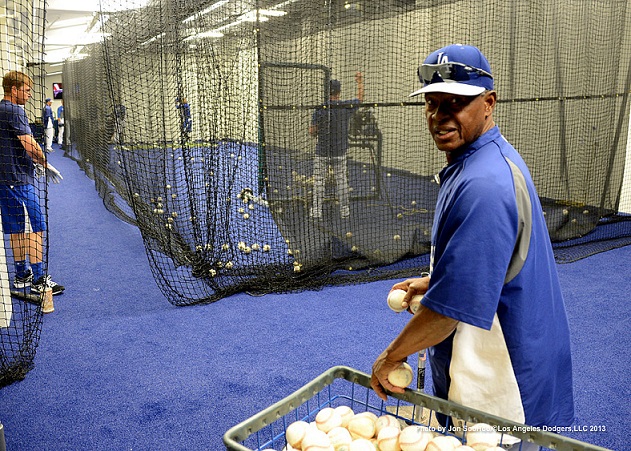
(251, 16)
(54, 73)
(155, 38)
(272, 12)
(283, 4)
(210, 34)
(205, 34)
(94, 5)
(212, 7)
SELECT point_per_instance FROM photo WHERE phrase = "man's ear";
(490, 100)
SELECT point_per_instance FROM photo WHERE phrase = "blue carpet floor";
(119, 368)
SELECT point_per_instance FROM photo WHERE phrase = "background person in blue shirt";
(186, 122)
(20, 158)
(329, 124)
(48, 123)
(60, 124)
(492, 316)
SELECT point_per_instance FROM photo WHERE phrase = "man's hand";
(412, 287)
(379, 379)
(40, 171)
(52, 174)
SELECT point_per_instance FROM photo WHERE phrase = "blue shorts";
(19, 206)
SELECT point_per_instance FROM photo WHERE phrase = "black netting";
(21, 66)
(193, 119)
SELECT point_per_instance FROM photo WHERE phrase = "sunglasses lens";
(448, 71)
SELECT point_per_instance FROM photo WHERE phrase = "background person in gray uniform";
(329, 124)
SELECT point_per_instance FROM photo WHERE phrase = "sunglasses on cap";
(449, 71)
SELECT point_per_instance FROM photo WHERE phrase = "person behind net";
(120, 117)
(60, 124)
(186, 122)
(493, 316)
(47, 121)
(21, 159)
(329, 124)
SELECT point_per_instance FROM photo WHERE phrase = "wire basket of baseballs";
(338, 411)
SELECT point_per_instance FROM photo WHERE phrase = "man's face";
(22, 94)
(455, 121)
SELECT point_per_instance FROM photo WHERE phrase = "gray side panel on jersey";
(524, 209)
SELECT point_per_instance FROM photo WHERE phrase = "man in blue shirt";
(47, 121)
(186, 121)
(60, 124)
(492, 315)
(329, 124)
(20, 158)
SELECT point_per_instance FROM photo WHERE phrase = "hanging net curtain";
(21, 312)
(193, 119)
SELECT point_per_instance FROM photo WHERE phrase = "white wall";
(625, 198)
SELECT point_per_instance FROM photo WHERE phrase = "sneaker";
(46, 282)
(345, 212)
(24, 281)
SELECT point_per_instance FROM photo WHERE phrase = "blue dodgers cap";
(455, 69)
(335, 87)
(48, 100)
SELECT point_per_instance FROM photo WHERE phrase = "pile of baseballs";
(340, 429)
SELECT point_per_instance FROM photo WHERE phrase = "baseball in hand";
(401, 376)
(415, 303)
(395, 300)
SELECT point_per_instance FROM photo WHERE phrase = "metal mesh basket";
(341, 385)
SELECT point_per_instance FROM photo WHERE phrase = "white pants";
(320, 172)
(49, 133)
(60, 134)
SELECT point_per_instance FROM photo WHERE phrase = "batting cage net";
(25, 250)
(195, 119)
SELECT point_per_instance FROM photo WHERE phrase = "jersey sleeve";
(19, 122)
(476, 236)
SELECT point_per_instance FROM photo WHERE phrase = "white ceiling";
(71, 24)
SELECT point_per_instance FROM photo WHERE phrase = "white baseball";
(340, 438)
(415, 438)
(296, 432)
(401, 376)
(361, 426)
(443, 443)
(362, 444)
(481, 436)
(327, 419)
(395, 300)
(346, 413)
(316, 440)
(386, 420)
(388, 439)
(415, 303)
